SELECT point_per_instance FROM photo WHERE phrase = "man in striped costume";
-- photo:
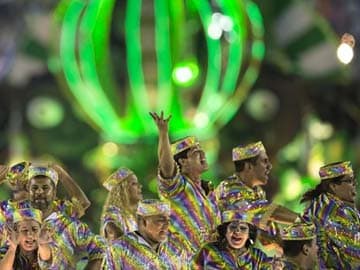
(151, 247)
(195, 214)
(332, 209)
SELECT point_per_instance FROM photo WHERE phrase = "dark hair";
(221, 242)
(293, 248)
(321, 188)
(181, 155)
(240, 164)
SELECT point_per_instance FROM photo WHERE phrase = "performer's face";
(28, 233)
(262, 169)
(134, 189)
(196, 160)
(346, 190)
(237, 233)
(157, 227)
(42, 192)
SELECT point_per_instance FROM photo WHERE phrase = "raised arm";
(166, 160)
(72, 188)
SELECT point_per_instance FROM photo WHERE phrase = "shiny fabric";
(132, 252)
(194, 214)
(126, 222)
(72, 240)
(211, 256)
(338, 232)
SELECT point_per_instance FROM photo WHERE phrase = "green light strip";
(163, 55)
(102, 106)
(209, 95)
(234, 61)
(251, 74)
(134, 63)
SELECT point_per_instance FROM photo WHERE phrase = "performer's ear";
(305, 249)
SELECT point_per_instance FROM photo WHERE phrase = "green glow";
(85, 59)
(185, 73)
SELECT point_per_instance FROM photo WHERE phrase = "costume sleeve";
(169, 187)
(343, 229)
(198, 260)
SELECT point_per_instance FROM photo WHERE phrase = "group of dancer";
(192, 225)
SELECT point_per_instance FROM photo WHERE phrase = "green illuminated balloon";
(222, 45)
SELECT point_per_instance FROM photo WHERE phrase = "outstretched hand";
(12, 238)
(161, 122)
(45, 236)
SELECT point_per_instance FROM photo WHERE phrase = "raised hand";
(12, 238)
(45, 236)
(161, 122)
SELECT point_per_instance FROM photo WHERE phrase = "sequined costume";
(211, 256)
(71, 241)
(194, 215)
(338, 232)
(232, 192)
(132, 252)
(125, 221)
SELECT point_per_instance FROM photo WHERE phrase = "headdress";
(44, 171)
(247, 151)
(152, 207)
(18, 173)
(117, 177)
(298, 231)
(183, 144)
(26, 214)
(335, 169)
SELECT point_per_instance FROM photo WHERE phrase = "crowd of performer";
(191, 226)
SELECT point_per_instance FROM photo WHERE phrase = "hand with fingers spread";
(12, 238)
(45, 236)
(161, 122)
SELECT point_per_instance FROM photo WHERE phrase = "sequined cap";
(242, 152)
(298, 231)
(335, 169)
(44, 171)
(152, 207)
(18, 173)
(117, 177)
(183, 144)
(26, 214)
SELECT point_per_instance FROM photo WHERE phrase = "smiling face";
(41, 192)
(28, 233)
(237, 233)
(195, 161)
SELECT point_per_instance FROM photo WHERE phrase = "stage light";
(185, 73)
(44, 112)
(345, 52)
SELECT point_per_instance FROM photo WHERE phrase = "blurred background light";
(110, 149)
(185, 73)
(262, 105)
(345, 53)
(44, 112)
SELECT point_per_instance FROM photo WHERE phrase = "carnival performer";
(24, 243)
(234, 248)
(119, 210)
(194, 214)
(332, 209)
(72, 239)
(299, 245)
(151, 247)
